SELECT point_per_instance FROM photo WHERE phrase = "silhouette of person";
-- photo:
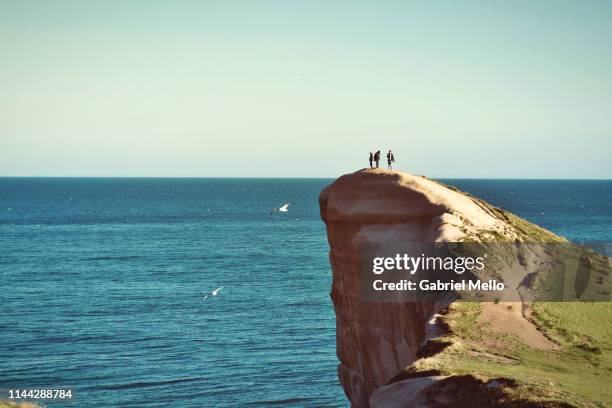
(377, 157)
(371, 159)
(390, 160)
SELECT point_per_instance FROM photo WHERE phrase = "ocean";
(103, 281)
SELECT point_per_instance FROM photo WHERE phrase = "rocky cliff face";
(376, 341)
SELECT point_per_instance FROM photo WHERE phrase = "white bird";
(284, 208)
(213, 293)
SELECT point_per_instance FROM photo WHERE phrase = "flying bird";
(284, 208)
(213, 293)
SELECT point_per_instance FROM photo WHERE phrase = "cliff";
(409, 354)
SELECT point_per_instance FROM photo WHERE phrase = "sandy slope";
(508, 318)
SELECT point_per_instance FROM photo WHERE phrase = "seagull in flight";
(284, 208)
(213, 293)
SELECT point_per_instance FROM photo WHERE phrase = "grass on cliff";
(526, 230)
(576, 375)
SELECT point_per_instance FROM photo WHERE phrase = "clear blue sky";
(305, 88)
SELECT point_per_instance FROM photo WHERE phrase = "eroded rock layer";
(376, 341)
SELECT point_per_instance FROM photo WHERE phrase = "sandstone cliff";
(393, 354)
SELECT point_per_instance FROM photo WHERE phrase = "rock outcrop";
(376, 341)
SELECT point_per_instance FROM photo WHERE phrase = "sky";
(493, 89)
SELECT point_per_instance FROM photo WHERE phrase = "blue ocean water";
(102, 283)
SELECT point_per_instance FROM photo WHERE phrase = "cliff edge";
(412, 354)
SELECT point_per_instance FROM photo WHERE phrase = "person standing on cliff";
(377, 157)
(390, 160)
(371, 159)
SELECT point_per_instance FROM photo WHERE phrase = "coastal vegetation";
(568, 369)
(515, 354)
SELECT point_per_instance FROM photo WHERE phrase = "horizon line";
(291, 178)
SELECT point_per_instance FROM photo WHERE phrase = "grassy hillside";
(545, 354)
(575, 374)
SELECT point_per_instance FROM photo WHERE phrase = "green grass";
(578, 374)
(574, 323)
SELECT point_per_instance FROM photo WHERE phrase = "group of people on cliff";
(375, 157)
